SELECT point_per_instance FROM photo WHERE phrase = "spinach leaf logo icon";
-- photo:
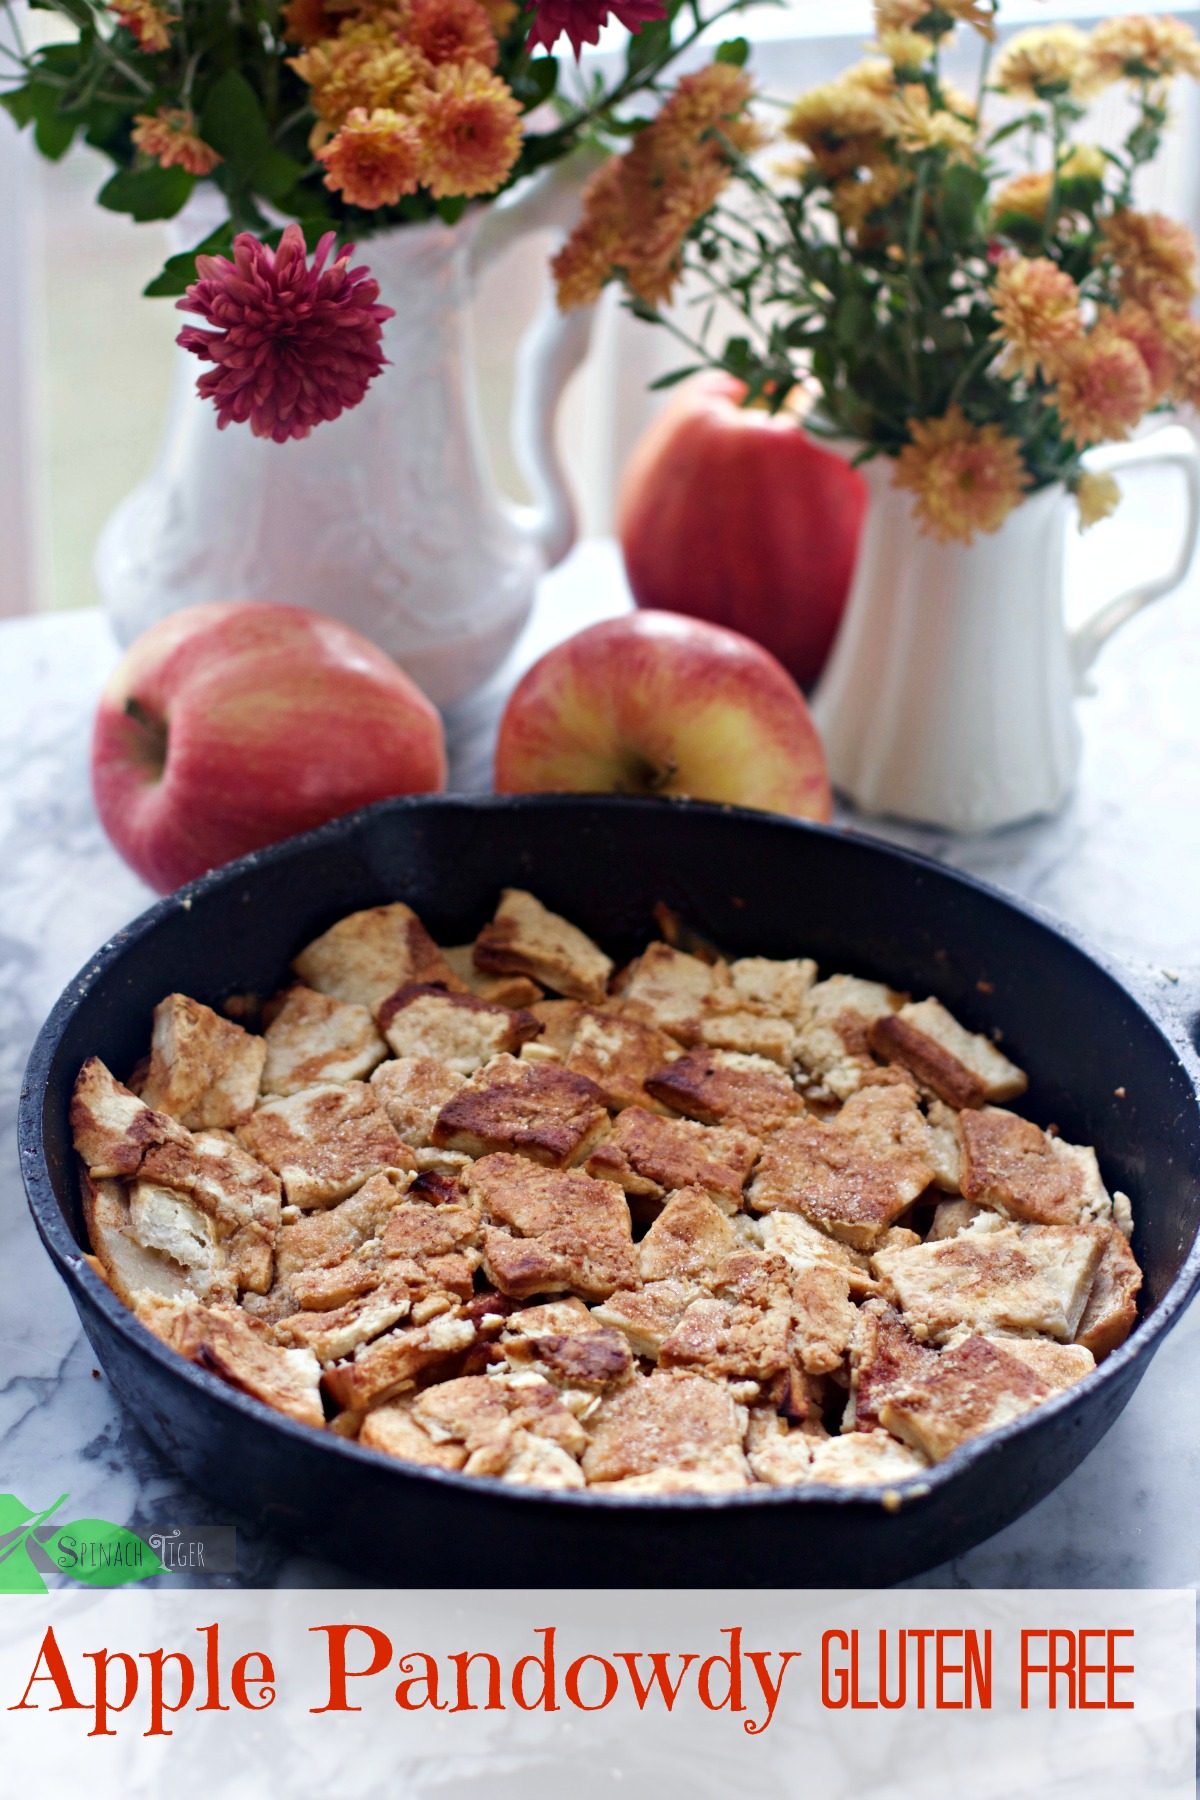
(93, 1551)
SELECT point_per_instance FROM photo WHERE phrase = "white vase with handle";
(388, 517)
(949, 696)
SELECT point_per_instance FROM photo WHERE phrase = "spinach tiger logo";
(92, 1551)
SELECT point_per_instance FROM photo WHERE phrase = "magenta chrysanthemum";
(294, 344)
(583, 19)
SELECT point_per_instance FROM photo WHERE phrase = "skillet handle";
(1172, 996)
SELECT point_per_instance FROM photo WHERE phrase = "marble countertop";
(1121, 863)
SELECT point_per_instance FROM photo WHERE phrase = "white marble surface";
(1122, 862)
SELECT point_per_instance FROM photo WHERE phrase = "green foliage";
(234, 123)
(179, 272)
(150, 193)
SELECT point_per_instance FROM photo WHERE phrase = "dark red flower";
(294, 343)
(582, 19)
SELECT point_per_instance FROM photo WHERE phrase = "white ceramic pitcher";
(388, 517)
(949, 697)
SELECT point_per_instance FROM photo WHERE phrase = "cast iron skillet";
(753, 884)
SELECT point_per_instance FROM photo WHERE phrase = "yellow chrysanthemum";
(1086, 162)
(1097, 497)
(1102, 387)
(1037, 306)
(964, 478)
(1024, 197)
(1155, 256)
(916, 124)
(1142, 47)
(1049, 60)
(374, 159)
(501, 14)
(470, 126)
(903, 15)
(842, 123)
(363, 67)
(856, 197)
(639, 208)
(907, 50)
(170, 137)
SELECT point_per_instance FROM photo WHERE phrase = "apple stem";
(154, 728)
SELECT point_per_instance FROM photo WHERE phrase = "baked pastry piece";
(803, 1245)
(325, 1142)
(884, 1357)
(314, 1038)
(570, 1348)
(1058, 1365)
(525, 938)
(646, 1316)
(668, 989)
(513, 1427)
(412, 1091)
(667, 1433)
(240, 1351)
(1013, 1166)
(132, 1268)
(854, 1174)
(390, 1364)
(975, 1387)
(460, 1031)
(961, 1067)
(833, 1041)
(722, 1087)
(994, 1277)
(112, 1129)
(204, 1070)
(618, 1054)
(538, 1109)
(1111, 1311)
(690, 1237)
(370, 954)
(650, 1157)
(864, 1459)
(550, 1231)
(506, 990)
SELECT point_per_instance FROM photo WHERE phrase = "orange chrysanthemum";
(1144, 330)
(374, 159)
(1181, 333)
(470, 126)
(170, 137)
(1102, 387)
(501, 14)
(1037, 306)
(451, 31)
(309, 21)
(638, 210)
(1155, 256)
(964, 478)
(364, 66)
(842, 123)
(1142, 47)
(149, 22)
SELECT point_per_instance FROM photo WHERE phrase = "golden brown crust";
(720, 1087)
(668, 989)
(325, 1142)
(111, 1127)
(975, 1387)
(204, 1070)
(538, 1110)
(525, 938)
(893, 1039)
(995, 1279)
(238, 1349)
(412, 1091)
(368, 955)
(884, 1357)
(551, 1231)
(460, 1031)
(391, 1363)
(1010, 1164)
(652, 1156)
(618, 1054)
(1111, 1311)
(690, 1237)
(314, 1038)
(665, 1421)
(506, 990)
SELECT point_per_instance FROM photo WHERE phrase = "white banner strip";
(964, 1695)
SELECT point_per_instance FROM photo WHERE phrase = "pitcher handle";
(1088, 639)
(553, 347)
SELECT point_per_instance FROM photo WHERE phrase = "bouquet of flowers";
(980, 322)
(344, 117)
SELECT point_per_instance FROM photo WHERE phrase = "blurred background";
(86, 366)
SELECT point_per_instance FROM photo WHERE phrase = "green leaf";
(147, 193)
(962, 193)
(676, 376)
(536, 83)
(452, 209)
(233, 122)
(178, 272)
(54, 135)
(100, 1554)
(733, 50)
(648, 45)
(12, 1514)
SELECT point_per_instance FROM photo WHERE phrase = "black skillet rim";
(67, 1256)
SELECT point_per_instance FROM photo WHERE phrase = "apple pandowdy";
(687, 1226)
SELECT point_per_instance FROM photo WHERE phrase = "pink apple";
(233, 725)
(653, 703)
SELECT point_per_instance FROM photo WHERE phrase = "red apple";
(738, 516)
(232, 725)
(656, 704)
